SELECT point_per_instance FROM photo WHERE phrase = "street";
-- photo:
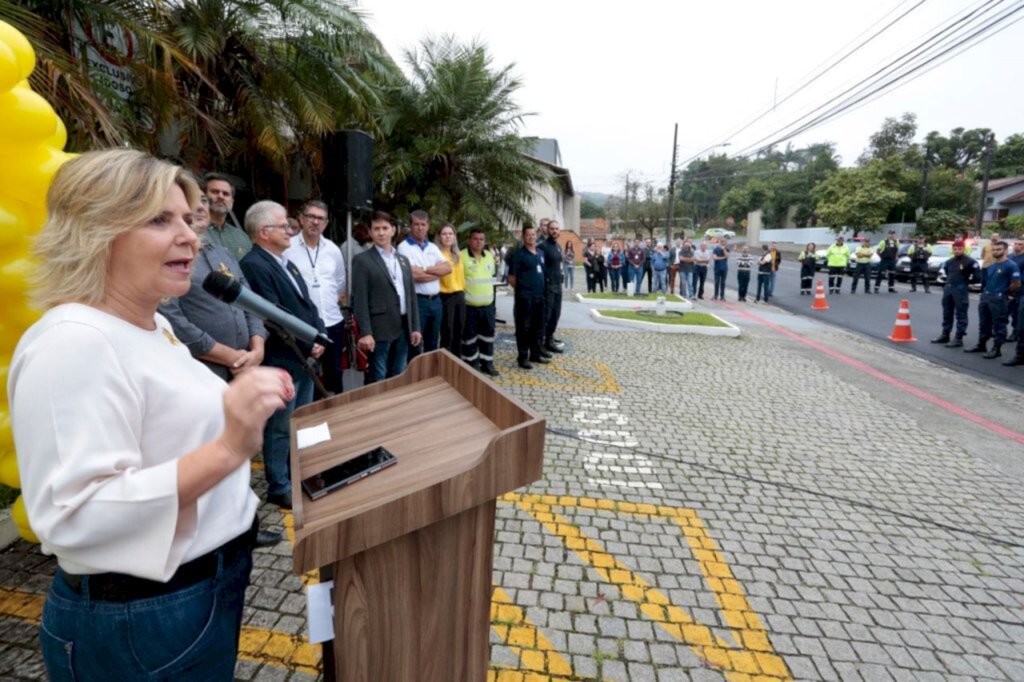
(874, 317)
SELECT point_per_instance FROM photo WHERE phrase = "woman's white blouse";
(101, 411)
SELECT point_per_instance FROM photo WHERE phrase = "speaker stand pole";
(348, 256)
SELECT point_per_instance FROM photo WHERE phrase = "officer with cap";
(888, 249)
(919, 254)
(960, 271)
(999, 279)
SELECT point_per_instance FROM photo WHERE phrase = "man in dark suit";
(277, 279)
(384, 302)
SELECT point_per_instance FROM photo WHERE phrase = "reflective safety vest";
(480, 279)
(838, 256)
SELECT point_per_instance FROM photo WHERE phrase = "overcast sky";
(608, 80)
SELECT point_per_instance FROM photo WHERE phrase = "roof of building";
(546, 149)
(1004, 182)
(1017, 198)
(564, 178)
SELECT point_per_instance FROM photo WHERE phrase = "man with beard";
(552, 287)
(223, 230)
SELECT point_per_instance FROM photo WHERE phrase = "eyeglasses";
(281, 226)
(317, 218)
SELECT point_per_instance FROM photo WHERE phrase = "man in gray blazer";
(384, 302)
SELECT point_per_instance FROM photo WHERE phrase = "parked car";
(941, 252)
(718, 232)
(822, 262)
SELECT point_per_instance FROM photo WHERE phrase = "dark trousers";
(330, 361)
(835, 277)
(700, 275)
(918, 270)
(600, 278)
(886, 265)
(764, 286)
(453, 319)
(1019, 326)
(743, 283)
(954, 301)
(807, 278)
(650, 277)
(430, 323)
(861, 270)
(389, 358)
(720, 275)
(552, 312)
(528, 314)
(615, 273)
(478, 334)
(591, 280)
(993, 312)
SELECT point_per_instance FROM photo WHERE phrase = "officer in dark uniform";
(888, 249)
(526, 275)
(552, 287)
(919, 254)
(960, 270)
(999, 279)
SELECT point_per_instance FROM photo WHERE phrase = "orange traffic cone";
(901, 332)
(820, 303)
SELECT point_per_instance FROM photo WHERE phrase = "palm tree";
(450, 140)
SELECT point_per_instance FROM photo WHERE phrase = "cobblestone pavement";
(711, 509)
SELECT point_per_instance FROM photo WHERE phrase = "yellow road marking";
(533, 648)
(564, 369)
(752, 654)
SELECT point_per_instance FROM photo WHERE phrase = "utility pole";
(672, 188)
(924, 181)
(984, 184)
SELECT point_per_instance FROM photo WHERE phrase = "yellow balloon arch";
(32, 140)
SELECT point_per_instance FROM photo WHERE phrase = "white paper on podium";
(312, 435)
(320, 612)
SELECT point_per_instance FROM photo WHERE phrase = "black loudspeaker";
(347, 182)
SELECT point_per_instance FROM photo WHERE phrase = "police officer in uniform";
(526, 275)
(552, 287)
(888, 249)
(478, 334)
(919, 254)
(960, 271)
(862, 266)
(999, 279)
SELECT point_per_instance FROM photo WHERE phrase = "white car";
(718, 232)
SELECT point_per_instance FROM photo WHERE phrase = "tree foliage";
(450, 140)
(937, 224)
(961, 149)
(856, 198)
(590, 209)
(895, 139)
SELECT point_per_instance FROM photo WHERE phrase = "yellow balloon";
(14, 275)
(9, 475)
(20, 517)
(14, 221)
(29, 178)
(10, 70)
(20, 46)
(28, 119)
(6, 437)
(23, 315)
(59, 139)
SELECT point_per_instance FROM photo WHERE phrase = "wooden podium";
(410, 548)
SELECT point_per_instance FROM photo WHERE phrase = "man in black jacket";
(384, 302)
(276, 279)
(552, 287)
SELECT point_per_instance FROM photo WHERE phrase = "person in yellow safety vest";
(837, 257)
(862, 268)
(478, 334)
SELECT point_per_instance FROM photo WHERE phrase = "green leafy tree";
(741, 200)
(1008, 159)
(450, 140)
(937, 224)
(590, 209)
(895, 139)
(960, 150)
(856, 198)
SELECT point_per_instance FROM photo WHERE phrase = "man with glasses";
(323, 269)
(278, 280)
(223, 231)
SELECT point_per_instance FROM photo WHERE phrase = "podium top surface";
(432, 430)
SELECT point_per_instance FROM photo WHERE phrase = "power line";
(905, 61)
(943, 52)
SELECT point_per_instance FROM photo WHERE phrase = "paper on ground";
(312, 435)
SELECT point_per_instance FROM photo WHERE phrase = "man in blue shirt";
(1017, 256)
(1000, 279)
(960, 271)
(721, 257)
(526, 275)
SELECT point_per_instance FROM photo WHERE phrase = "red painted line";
(878, 374)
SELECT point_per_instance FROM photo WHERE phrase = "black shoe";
(1015, 361)
(876, 290)
(1012, 337)
(557, 342)
(892, 290)
(525, 364)
(942, 338)
(488, 369)
(552, 348)
(913, 290)
(927, 290)
(955, 343)
(268, 538)
(544, 354)
(541, 359)
(994, 353)
(980, 348)
(283, 501)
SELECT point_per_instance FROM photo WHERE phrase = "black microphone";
(230, 290)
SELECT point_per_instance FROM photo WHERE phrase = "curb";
(8, 530)
(730, 330)
(628, 303)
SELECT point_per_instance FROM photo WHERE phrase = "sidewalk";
(751, 508)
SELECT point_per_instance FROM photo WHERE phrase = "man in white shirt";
(428, 267)
(323, 269)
